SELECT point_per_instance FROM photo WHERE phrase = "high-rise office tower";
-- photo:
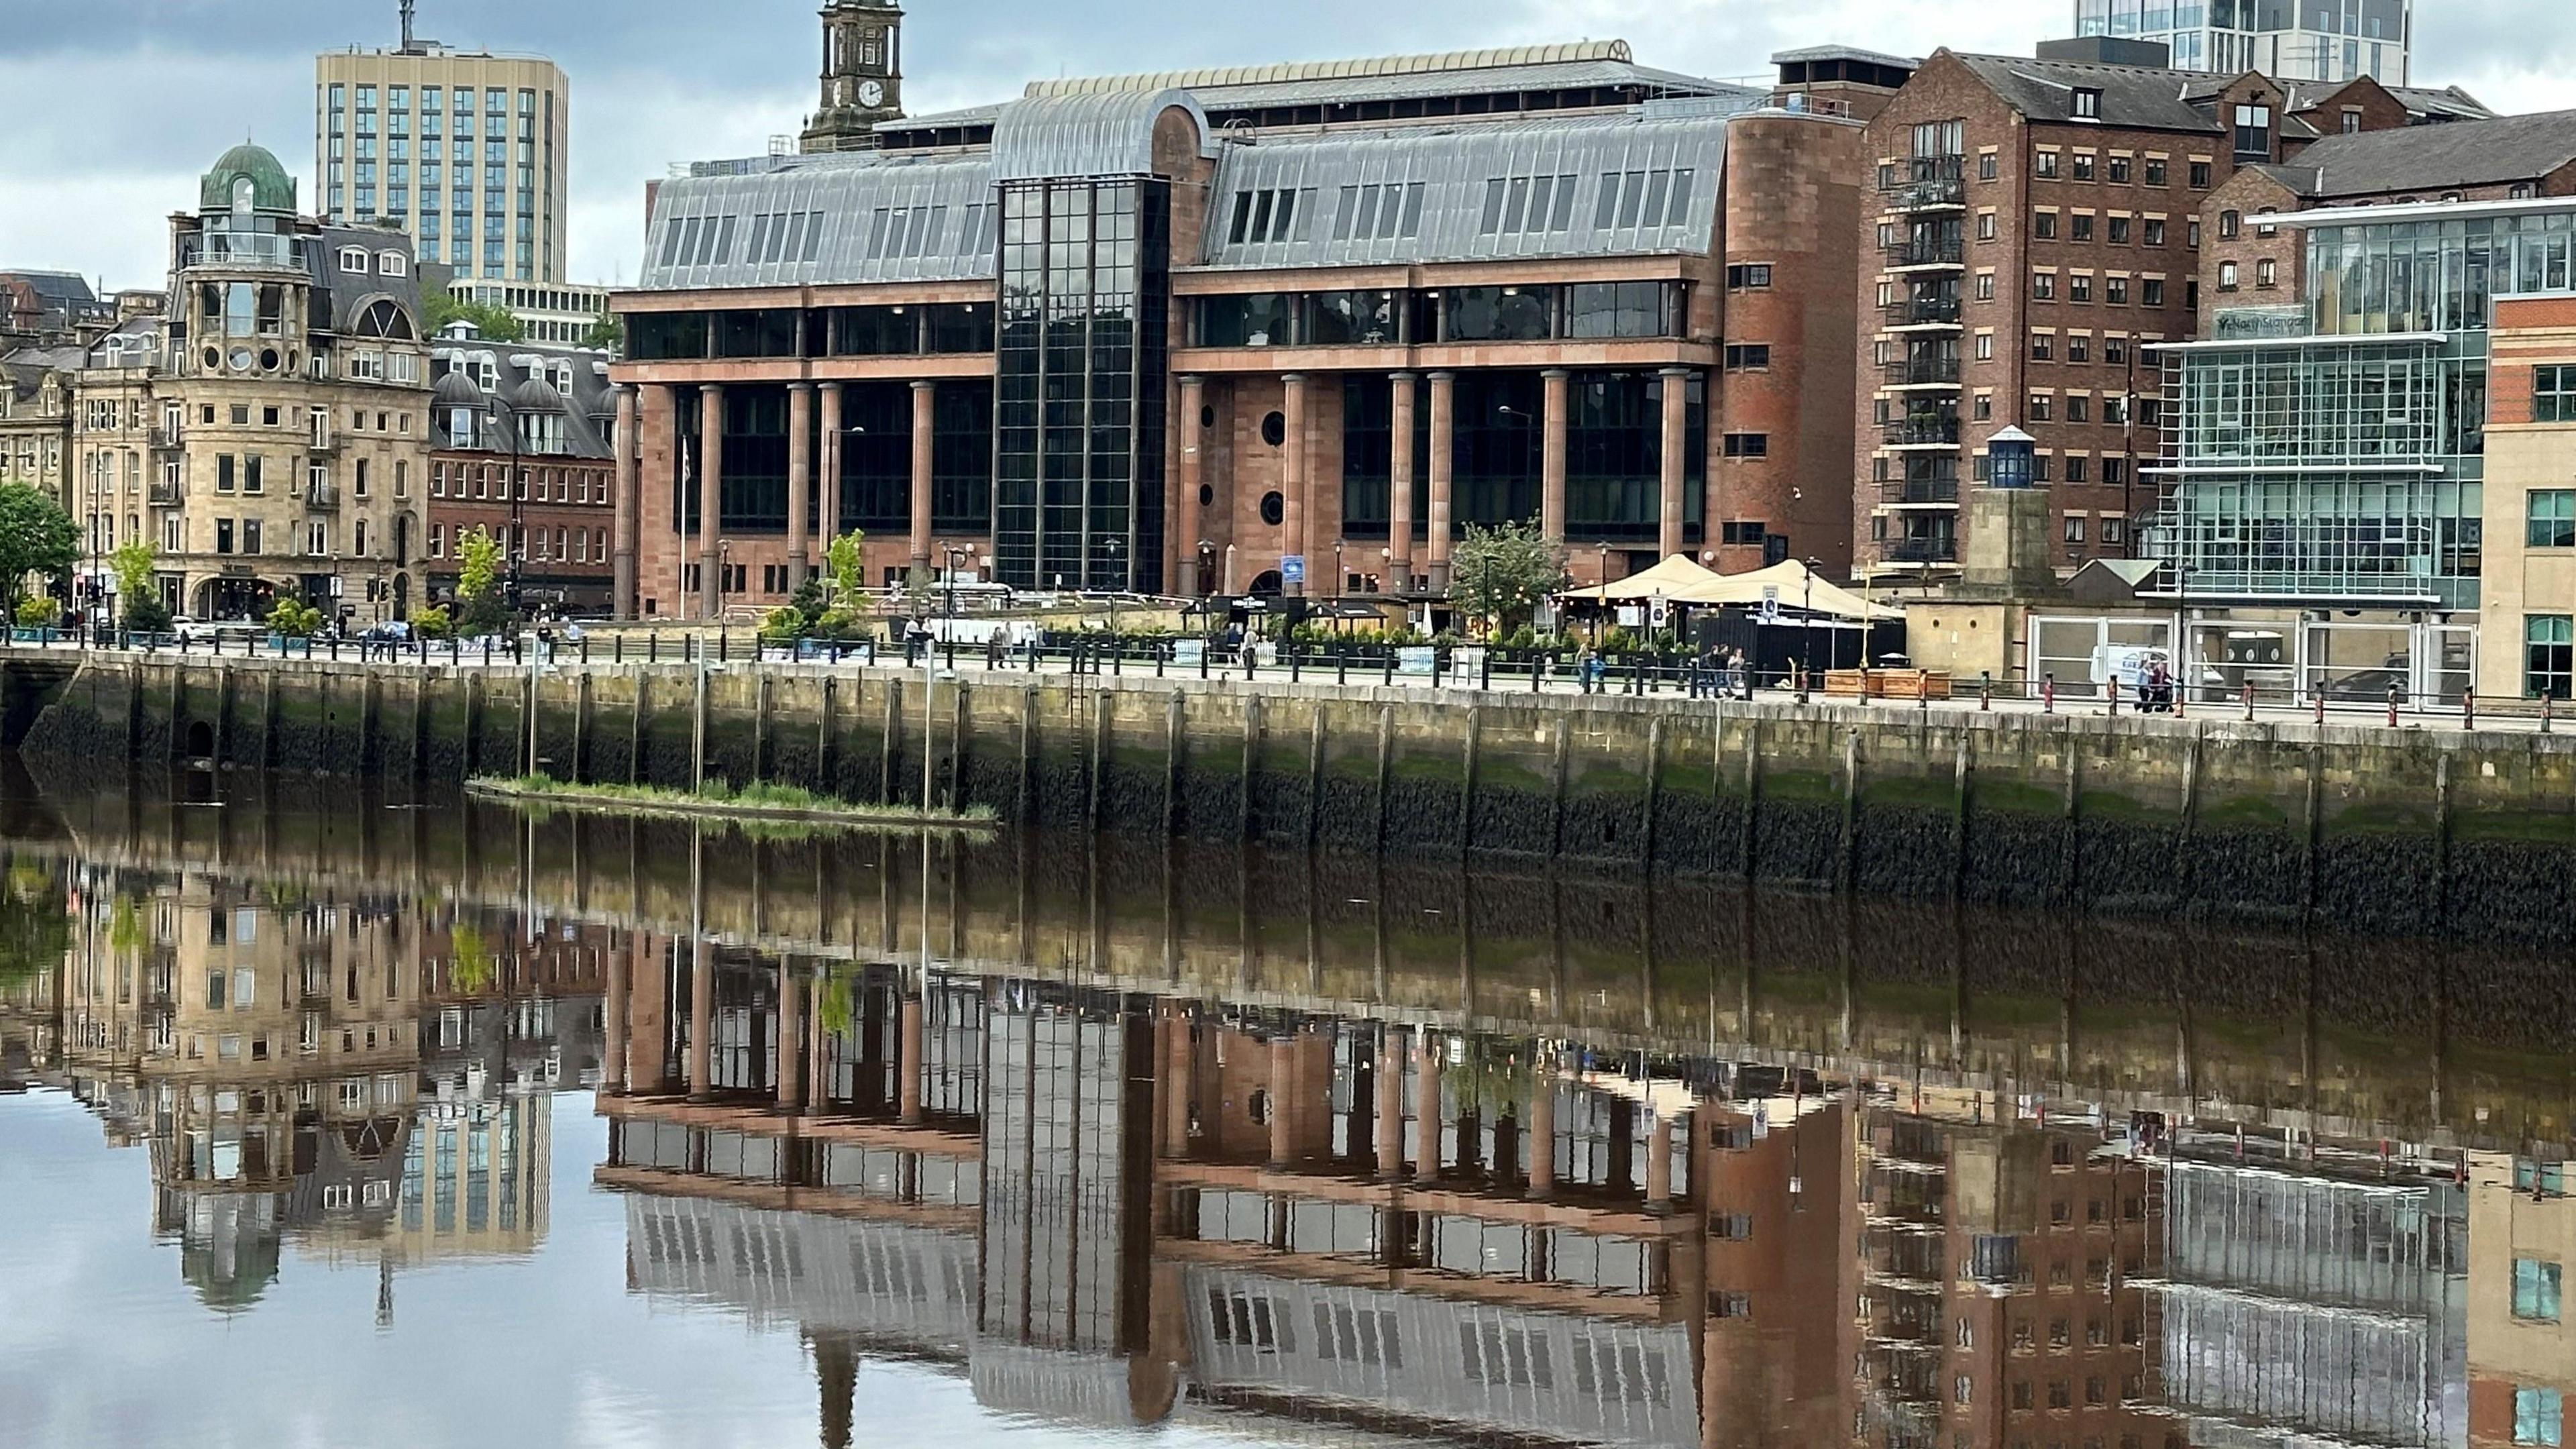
(466, 150)
(2319, 40)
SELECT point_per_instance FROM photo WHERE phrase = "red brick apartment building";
(1274, 329)
(2036, 222)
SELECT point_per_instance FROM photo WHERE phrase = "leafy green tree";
(480, 607)
(35, 925)
(36, 538)
(39, 613)
(608, 334)
(1501, 573)
(432, 623)
(497, 324)
(847, 563)
(133, 564)
(294, 619)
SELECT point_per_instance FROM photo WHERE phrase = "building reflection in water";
(352, 1075)
(1124, 1136)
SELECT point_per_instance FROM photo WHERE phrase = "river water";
(326, 1119)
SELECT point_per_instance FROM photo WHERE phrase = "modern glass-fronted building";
(2320, 40)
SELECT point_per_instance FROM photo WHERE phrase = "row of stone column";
(803, 463)
(1297, 474)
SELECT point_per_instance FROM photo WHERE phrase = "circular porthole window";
(214, 359)
(241, 359)
(1207, 417)
(1274, 507)
(1274, 429)
(268, 359)
(1207, 495)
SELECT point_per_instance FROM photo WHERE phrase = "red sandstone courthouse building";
(1285, 329)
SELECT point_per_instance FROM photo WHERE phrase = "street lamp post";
(495, 407)
(1807, 632)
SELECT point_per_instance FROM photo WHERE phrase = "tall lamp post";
(1807, 632)
(495, 409)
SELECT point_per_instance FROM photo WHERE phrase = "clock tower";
(862, 74)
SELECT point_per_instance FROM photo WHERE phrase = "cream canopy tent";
(1679, 580)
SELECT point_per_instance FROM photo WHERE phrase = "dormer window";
(353, 259)
(392, 264)
(2088, 104)
(2254, 133)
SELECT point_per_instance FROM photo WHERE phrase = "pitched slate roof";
(2435, 158)
(2132, 96)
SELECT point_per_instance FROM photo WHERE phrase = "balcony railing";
(1917, 371)
(322, 495)
(1922, 311)
(1940, 251)
(241, 249)
(1928, 181)
(1919, 490)
(164, 440)
(1923, 433)
(165, 494)
(1920, 550)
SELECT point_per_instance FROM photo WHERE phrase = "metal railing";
(1923, 432)
(1927, 181)
(322, 495)
(1919, 490)
(1920, 550)
(1918, 370)
(1923, 311)
(1947, 251)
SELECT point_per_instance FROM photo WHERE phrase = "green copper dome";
(271, 188)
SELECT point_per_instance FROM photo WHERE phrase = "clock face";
(871, 93)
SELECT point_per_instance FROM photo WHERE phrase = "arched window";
(384, 318)
(392, 264)
(353, 259)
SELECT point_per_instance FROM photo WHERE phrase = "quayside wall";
(2410, 832)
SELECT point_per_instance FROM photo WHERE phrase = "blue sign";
(1292, 569)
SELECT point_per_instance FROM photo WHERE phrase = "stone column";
(1399, 490)
(710, 500)
(1426, 1104)
(1389, 1073)
(791, 1039)
(612, 1030)
(702, 1020)
(800, 479)
(829, 503)
(908, 1063)
(924, 393)
(1283, 1077)
(1668, 533)
(1542, 1129)
(1443, 425)
(630, 495)
(1180, 1079)
(1551, 475)
(1659, 1166)
(818, 1043)
(1185, 511)
(647, 987)
(1292, 486)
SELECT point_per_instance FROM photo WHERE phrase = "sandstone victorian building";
(269, 436)
(1282, 329)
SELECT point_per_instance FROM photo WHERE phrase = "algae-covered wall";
(2395, 831)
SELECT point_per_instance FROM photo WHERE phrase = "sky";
(114, 107)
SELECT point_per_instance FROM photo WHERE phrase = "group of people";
(1715, 673)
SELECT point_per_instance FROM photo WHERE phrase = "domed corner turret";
(270, 189)
(455, 390)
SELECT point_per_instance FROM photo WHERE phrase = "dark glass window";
(1368, 457)
(962, 327)
(875, 331)
(753, 490)
(1340, 319)
(961, 457)
(876, 456)
(1614, 456)
(1497, 446)
(767, 332)
(665, 336)
(1254, 319)
(1620, 309)
(1499, 314)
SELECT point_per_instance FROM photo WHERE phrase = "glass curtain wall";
(1368, 456)
(1078, 412)
(1614, 457)
(961, 457)
(876, 457)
